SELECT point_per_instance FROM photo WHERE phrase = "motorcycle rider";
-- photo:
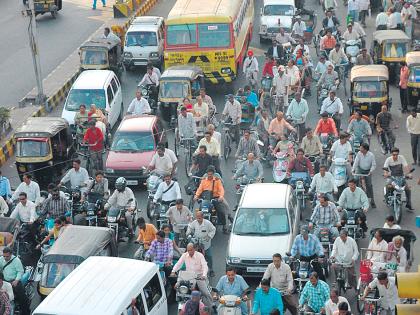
(201, 161)
(139, 105)
(359, 128)
(326, 125)
(77, 176)
(333, 107)
(56, 205)
(247, 145)
(195, 262)
(262, 130)
(324, 183)
(123, 196)
(383, 126)
(298, 111)
(28, 186)
(328, 79)
(350, 34)
(312, 146)
(194, 305)
(168, 191)
(178, 214)
(164, 161)
(24, 210)
(315, 293)
(151, 79)
(396, 165)
(300, 164)
(308, 247)
(365, 163)
(321, 67)
(213, 149)
(233, 112)
(98, 186)
(147, 233)
(266, 299)
(325, 215)
(250, 169)
(283, 38)
(364, 58)
(233, 284)
(251, 69)
(299, 27)
(161, 251)
(341, 148)
(337, 56)
(330, 21)
(328, 41)
(187, 127)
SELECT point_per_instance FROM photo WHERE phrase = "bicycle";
(341, 276)
(227, 139)
(371, 306)
(85, 154)
(187, 144)
(361, 181)
(341, 69)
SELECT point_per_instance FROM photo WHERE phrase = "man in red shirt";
(268, 66)
(326, 125)
(95, 140)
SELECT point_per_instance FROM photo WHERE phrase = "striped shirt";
(307, 248)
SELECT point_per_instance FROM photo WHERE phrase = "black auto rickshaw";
(390, 48)
(101, 54)
(75, 244)
(9, 229)
(44, 148)
(177, 83)
(369, 89)
(413, 63)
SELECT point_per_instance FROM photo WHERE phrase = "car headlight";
(183, 289)
(234, 260)
(109, 170)
(154, 54)
(112, 219)
(144, 92)
(128, 55)
(263, 28)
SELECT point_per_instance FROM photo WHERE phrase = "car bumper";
(140, 62)
(133, 177)
(249, 271)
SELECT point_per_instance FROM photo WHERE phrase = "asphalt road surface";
(375, 216)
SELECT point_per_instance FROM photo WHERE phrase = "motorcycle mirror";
(385, 168)
(412, 170)
(130, 200)
(288, 254)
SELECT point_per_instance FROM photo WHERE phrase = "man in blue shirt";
(251, 97)
(233, 284)
(267, 299)
(5, 190)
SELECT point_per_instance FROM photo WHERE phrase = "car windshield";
(141, 39)
(395, 50)
(370, 89)
(184, 34)
(173, 89)
(213, 35)
(32, 148)
(278, 10)
(54, 273)
(94, 57)
(77, 97)
(133, 142)
(251, 221)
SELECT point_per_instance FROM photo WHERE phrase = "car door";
(110, 104)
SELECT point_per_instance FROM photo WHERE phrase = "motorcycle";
(326, 242)
(352, 225)
(116, 220)
(152, 184)
(301, 271)
(326, 141)
(27, 282)
(207, 207)
(148, 92)
(187, 282)
(230, 304)
(394, 199)
(353, 49)
(300, 181)
(339, 171)
(280, 166)
(160, 213)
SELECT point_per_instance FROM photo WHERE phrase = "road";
(375, 216)
(57, 38)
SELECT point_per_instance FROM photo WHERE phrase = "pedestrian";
(413, 128)
(364, 6)
(404, 73)
(94, 4)
(353, 10)
(5, 190)
(409, 14)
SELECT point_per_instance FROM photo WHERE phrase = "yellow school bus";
(211, 34)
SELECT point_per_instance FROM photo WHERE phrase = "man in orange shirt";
(403, 86)
(211, 187)
(328, 42)
(277, 128)
(147, 234)
(326, 125)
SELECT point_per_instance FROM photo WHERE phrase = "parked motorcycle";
(152, 183)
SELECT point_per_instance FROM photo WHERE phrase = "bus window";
(213, 35)
(184, 34)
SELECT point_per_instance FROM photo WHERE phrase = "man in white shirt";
(381, 21)
(77, 176)
(168, 191)
(299, 27)
(138, 105)
(408, 14)
(29, 187)
(350, 34)
(195, 262)
(281, 86)
(324, 183)
(150, 78)
(4, 208)
(110, 35)
(251, 69)
(233, 111)
(413, 128)
(387, 291)
(331, 305)
(334, 107)
(353, 9)
(24, 210)
(164, 161)
(345, 252)
(341, 148)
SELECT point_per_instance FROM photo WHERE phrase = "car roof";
(146, 23)
(93, 287)
(265, 195)
(279, 2)
(92, 79)
(137, 123)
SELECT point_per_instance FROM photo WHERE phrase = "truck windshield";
(251, 221)
(77, 97)
(141, 39)
(133, 142)
(32, 148)
(278, 10)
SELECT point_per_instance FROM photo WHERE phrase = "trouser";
(208, 255)
(216, 164)
(404, 98)
(337, 120)
(290, 303)
(301, 130)
(391, 137)
(362, 16)
(316, 265)
(96, 159)
(368, 180)
(94, 3)
(354, 15)
(351, 277)
(205, 293)
(236, 130)
(415, 143)
(129, 218)
(21, 298)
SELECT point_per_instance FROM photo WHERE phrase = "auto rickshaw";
(9, 229)
(45, 6)
(44, 148)
(101, 54)
(177, 83)
(369, 89)
(75, 244)
(390, 48)
(413, 63)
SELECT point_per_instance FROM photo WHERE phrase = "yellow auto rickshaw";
(44, 148)
(413, 63)
(101, 54)
(389, 48)
(369, 89)
(177, 83)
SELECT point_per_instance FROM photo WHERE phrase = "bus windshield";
(184, 34)
(210, 35)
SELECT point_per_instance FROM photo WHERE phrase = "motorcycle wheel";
(149, 209)
(397, 212)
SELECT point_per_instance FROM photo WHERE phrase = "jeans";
(404, 98)
(129, 218)
(94, 3)
(96, 160)
(368, 180)
(415, 143)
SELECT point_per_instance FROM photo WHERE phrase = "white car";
(276, 14)
(265, 223)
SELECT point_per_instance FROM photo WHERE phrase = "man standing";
(95, 140)
(364, 6)
(13, 270)
(404, 73)
(365, 164)
(413, 128)
(29, 187)
(139, 105)
(178, 214)
(281, 278)
(353, 10)
(297, 111)
(233, 111)
(266, 299)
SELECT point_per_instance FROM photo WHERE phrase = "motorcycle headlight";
(234, 260)
(111, 219)
(303, 274)
(299, 184)
(91, 213)
(109, 170)
(263, 28)
(154, 54)
(144, 92)
(350, 222)
(230, 303)
(183, 289)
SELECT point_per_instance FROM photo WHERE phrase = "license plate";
(256, 269)
(132, 182)
(363, 107)
(139, 63)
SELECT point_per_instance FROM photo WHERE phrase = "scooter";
(353, 49)
(187, 282)
(152, 183)
(280, 166)
(117, 222)
(230, 304)
(339, 171)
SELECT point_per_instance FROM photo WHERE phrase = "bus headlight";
(263, 29)
(226, 70)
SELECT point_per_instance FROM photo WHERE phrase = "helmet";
(120, 183)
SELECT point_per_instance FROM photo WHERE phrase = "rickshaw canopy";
(77, 243)
(413, 58)
(389, 234)
(369, 73)
(104, 43)
(41, 127)
(183, 72)
(390, 35)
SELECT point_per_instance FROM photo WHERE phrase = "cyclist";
(187, 127)
(325, 215)
(250, 169)
(168, 191)
(283, 38)
(123, 196)
(233, 112)
(333, 107)
(315, 294)
(80, 120)
(281, 87)
(324, 183)
(251, 69)
(299, 27)
(298, 111)
(365, 163)
(383, 126)
(247, 145)
(77, 176)
(95, 140)
(212, 148)
(277, 127)
(332, 306)
(164, 161)
(266, 299)
(194, 305)
(359, 128)
(311, 144)
(178, 214)
(329, 78)
(337, 56)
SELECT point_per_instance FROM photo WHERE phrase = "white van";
(108, 285)
(266, 222)
(276, 14)
(99, 87)
(144, 42)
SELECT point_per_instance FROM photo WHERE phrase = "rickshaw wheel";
(54, 14)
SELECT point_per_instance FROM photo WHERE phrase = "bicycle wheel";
(176, 142)
(344, 82)
(191, 204)
(226, 146)
(188, 158)
(360, 304)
